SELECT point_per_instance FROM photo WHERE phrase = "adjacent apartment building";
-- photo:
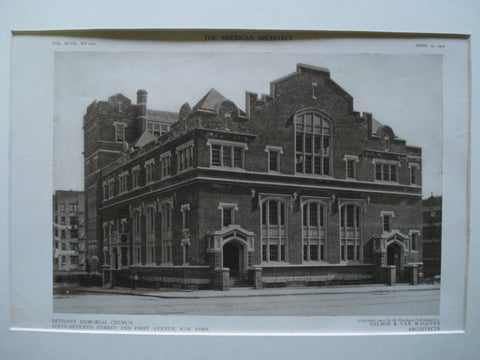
(296, 188)
(68, 231)
(432, 235)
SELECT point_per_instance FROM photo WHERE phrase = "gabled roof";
(375, 126)
(162, 115)
(210, 101)
(146, 138)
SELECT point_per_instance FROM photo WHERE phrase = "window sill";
(314, 176)
(226, 168)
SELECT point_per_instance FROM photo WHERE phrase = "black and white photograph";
(231, 180)
(247, 183)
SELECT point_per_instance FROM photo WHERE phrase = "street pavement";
(326, 301)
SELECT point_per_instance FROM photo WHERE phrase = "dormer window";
(119, 131)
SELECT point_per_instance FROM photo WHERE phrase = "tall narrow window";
(314, 231)
(350, 166)
(135, 177)
(414, 174)
(185, 156)
(150, 234)
(166, 232)
(165, 165)
(350, 232)
(274, 230)
(185, 209)
(313, 144)
(387, 217)
(136, 225)
(149, 170)
(414, 235)
(123, 182)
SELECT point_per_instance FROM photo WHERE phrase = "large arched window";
(350, 232)
(314, 230)
(313, 143)
(274, 230)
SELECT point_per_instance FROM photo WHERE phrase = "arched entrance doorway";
(394, 257)
(231, 258)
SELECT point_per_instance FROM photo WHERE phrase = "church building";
(297, 188)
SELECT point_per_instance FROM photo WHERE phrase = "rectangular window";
(414, 241)
(186, 215)
(73, 233)
(414, 175)
(313, 214)
(149, 171)
(185, 209)
(135, 177)
(62, 207)
(273, 213)
(378, 172)
(119, 133)
(387, 226)
(237, 157)
(227, 156)
(230, 156)
(386, 172)
(216, 150)
(350, 168)
(74, 260)
(111, 184)
(273, 160)
(165, 165)
(185, 157)
(314, 252)
(264, 252)
(122, 183)
(62, 220)
(73, 207)
(273, 252)
(227, 216)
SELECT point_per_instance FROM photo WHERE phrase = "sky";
(402, 91)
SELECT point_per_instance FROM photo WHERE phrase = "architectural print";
(296, 189)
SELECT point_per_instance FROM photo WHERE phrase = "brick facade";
(68, 231)
(298, 188)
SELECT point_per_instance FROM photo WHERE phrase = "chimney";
(142, 109)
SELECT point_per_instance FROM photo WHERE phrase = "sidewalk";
(250, 292)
